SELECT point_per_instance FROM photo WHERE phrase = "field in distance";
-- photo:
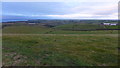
(61, 29)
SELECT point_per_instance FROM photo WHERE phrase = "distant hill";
(61, 22)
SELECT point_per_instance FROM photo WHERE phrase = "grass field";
(84, 26)
(40, 46)
(43, 30)
(58, 50)
(79, 26)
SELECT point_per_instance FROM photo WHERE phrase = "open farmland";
(62, 45)
(62, 29)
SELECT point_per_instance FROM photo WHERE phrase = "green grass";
(112, 27)
(80, 26)
(44, 30)
(84, 32)
(42, 46)
(60, 50)
(26, 29)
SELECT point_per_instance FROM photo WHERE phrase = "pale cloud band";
(60, 10)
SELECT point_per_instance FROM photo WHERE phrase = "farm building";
(112, 24)
(106, 23)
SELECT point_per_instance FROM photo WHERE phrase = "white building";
(114, 24)
(106, 23)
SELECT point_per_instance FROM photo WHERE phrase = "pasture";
(38, 29)
(43, 46)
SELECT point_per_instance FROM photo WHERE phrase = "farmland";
(61, 45)
(61, 29)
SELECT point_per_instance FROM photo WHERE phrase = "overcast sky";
(59, 10)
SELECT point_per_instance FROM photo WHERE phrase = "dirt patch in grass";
(14, 59)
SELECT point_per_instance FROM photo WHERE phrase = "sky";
(59, 10)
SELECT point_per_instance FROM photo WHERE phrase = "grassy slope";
(85, 26)
(60, 50)
(44, 30)
(26, 29)
(112, 27)
(79, 26)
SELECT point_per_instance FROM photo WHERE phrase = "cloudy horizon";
(59, 10)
